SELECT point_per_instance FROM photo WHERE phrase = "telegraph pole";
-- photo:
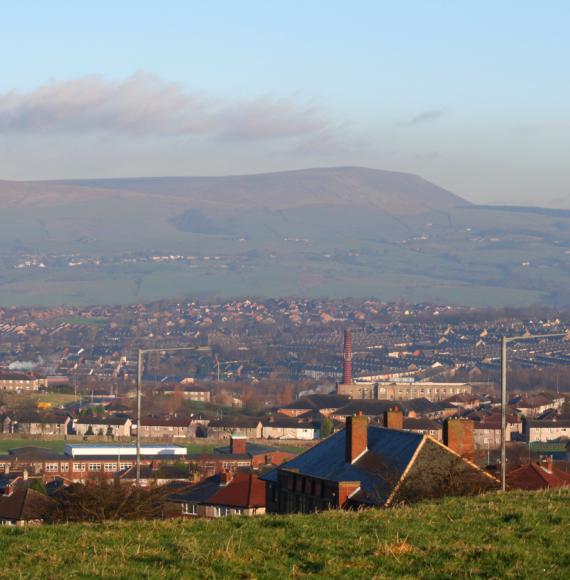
(505, 341)
(142, 352)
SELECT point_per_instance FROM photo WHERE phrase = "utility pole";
(505, 341)
(142, 352)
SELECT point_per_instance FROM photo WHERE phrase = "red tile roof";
(535, 476)
(246, 490)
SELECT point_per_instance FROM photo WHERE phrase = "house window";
(110, 467)
(52, 467)
(79, 467)
(64, 467)
(126, 465)
(94, 467)
(189, 509)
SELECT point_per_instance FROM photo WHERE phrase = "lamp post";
(142, 352)
(505, 341)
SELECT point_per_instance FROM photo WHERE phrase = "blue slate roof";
(378, 470)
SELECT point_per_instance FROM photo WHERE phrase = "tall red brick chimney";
(238, 444)
(458, 435)
(356, 437)
(347, 358)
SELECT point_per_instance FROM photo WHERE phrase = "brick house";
(24, 506)
(534, 476)
(84, 462)
(42, 424)
(174, 428)
(240, 453)
(17, 381)
(103, 426)
(534, 405)
(224, 494)
(362, 466)
(283, 427)
(250, 427)
(487, 431)
(322, 404)
(546, 430)
(188, 391)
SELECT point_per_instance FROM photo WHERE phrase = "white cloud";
(143, 104)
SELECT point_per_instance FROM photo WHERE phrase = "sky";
(472, 95)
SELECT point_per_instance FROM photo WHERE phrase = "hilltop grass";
(493, 536)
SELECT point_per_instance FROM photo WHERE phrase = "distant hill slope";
(338, 232)
(514, 535)
(389, 191)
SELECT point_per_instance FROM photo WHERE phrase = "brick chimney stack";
(347, 358)
(394, 418)
(356, 437)
(458, 436)
(238, 444)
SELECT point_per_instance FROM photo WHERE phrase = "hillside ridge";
(333, 186)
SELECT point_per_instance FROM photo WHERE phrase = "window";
(110, 467)
(52, 467)
(94, 467)
(79, 467)
(64, 467)
(126, 465)
(189, 509)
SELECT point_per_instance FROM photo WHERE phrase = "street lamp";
(142, 352)
(505, 341)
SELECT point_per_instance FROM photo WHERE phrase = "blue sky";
(473, 95)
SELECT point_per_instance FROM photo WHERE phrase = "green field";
(6, 444)
(517, 535)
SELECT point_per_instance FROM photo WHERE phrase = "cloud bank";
(145, 105)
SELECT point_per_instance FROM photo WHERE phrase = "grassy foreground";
(518, 535)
